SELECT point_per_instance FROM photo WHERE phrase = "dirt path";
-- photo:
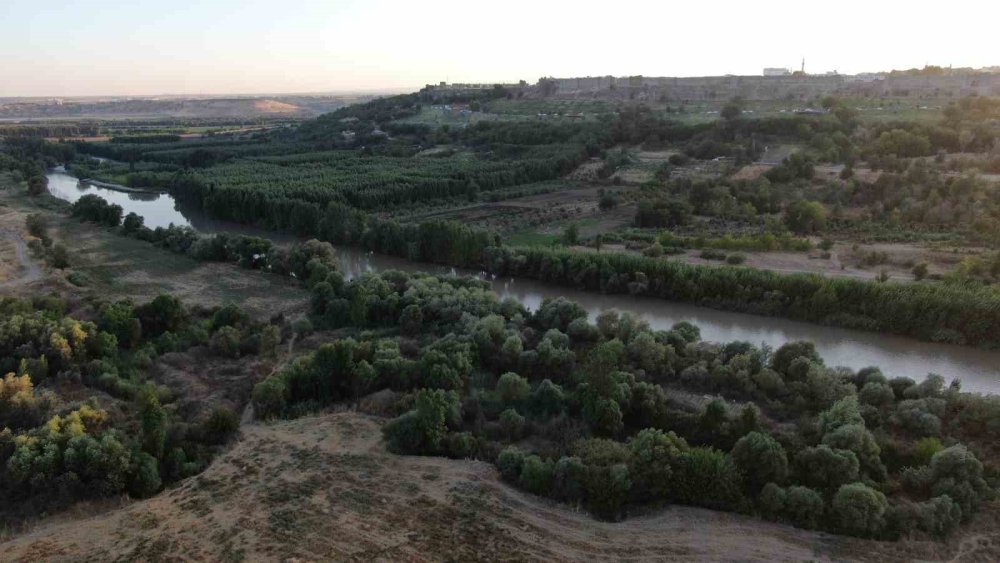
(31, 270)
(324, 488)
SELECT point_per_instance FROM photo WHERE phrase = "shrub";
(220, 425)
(510, 463)
(859, 510)
(569, 479)
(302, 327)
(925, 449)
(761, 459)
(548, 398)
(460, 445)
(270, 398)
(707, 477)
(423, 429)
(226, 342)
(939, 516)
(825, 468)
(652, 454)
(60, 256)
(956, 472)
(145, 481)
(800, 506)
(805, 217)
(512, 388)
(803, 507)
(607, 490)
(855, 438)
(536, 475)
(512, 424)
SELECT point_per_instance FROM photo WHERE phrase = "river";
(979, 370)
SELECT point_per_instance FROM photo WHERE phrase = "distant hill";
(153, 108)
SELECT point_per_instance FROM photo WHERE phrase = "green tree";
(805, 217)
(512, 388)
(859, 510)
(761, 459)
(653, 453)
(571, 234)
(153, 420)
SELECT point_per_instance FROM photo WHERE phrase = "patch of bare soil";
(751, 172)
(202, 381)
(324, 488)
(17, 266)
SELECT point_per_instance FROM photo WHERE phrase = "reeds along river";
(979, 370)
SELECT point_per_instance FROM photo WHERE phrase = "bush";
(925, 449)
(226, 342)
(805, 217)
(536, 475)
(761, 460)
(59, 256)
(799, 506)
(512, 424)
(37, 225)
(270, 398)
(510, 463)
(302, 327)
(145, 481)
(460, 445)
(956, 472)
(607, 489)
(859, 510)
(423, 429)
(220, 425)
(939, 516)
(707, 477)
(548, 398)
(825, 468)
(653, 452)
(512, 388)
(569, 479)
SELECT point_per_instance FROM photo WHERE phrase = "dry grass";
(324, 488)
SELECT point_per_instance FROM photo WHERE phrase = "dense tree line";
(949, 313)
(599, 415)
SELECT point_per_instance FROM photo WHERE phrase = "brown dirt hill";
(324, 488)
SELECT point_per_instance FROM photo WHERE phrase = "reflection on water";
(979, 370)
(158, 210)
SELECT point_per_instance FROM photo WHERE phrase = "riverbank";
(855, 349)
(119, 187)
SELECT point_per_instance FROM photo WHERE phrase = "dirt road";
(30, 270)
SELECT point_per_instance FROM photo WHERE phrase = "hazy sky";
(97, 47)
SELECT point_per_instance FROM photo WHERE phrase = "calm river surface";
(979, 370)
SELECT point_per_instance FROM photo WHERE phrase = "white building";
(777, 72)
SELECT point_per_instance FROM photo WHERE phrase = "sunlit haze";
(66, 48)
